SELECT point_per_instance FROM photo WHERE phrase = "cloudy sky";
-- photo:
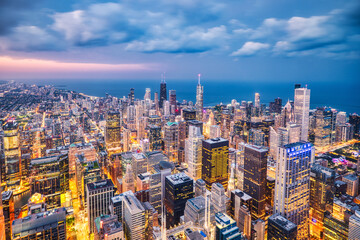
(262, 40)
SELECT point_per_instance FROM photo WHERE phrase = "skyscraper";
(257, 100)
(163, 92)
(9, 212)
(131, 97)
(193, 152)
(113, 129)
(215, 153)
(322, 180)
(12, 171)
(178, 189)
(354, 226)
(255, 166)
(134, 217)
(171, 140)
(98, 196)
(172, 101)
(302, 106)
(155, 137)
(218, 197)
(325, 127)
(199, 100)
(292, 184)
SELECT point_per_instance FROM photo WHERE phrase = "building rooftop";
(216, 140)
(351, 177)
(6, 195)
(293, 147)
(257, 148)
(178, 178)
(38, 220)
(223, 220)
(283, 222)
(198, 203)
(100, 184)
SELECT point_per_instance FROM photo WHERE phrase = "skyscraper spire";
(199, 100)
(199, 75)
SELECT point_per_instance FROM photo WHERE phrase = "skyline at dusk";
(232, 40)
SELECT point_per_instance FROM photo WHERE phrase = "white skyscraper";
(134, 217)
(302, 106)
(193, 152)
(199, 100)
(218, 197)
(147, 94)
(257, 100)
(292, 184)
(167, 108)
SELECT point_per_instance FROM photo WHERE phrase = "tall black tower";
(163, 92)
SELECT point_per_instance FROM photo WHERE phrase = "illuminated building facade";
(218, 197)
(98, 196)
(255, 167)
(108, 228)
(292, 182)
(46, 225)
(325, 127)
(2, 221)
(178, 189)
(188, 114)
(155, 138)
(215, 153)
(354, 226)
(172, 101)
(301, 109)
(280, 228)
(171, 140)
(9, 212)
(113, 129)
(193, 152)
(50, 177)
(322, 180)
(199, 100)
(11, 167)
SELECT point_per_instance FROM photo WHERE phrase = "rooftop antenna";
(199, 75)
(163, 77)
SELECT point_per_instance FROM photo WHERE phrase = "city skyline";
(228, 40)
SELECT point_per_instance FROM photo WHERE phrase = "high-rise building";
(301, 109)
(195, 211)
(352, 183)
(255, 166)
(226, 228)
(50, 177)
(218, 197)
(244, 221)
(341, 118)
(2, 221)
(134, 218)
(280, 228)
(354, 226)
(188, 114)
(193, 152)
(156, 101)
(238, 199)
(257, 100)
(155, 138)
(200, 188)
(178, 189)
(99, 196)
(344, 132)
(163, 92)
(354, 120)
(172, 100)
(325, 127)
(171, 140)
(147, 95)
(45, 225)
(322, 180)
(199, 100)
(275, 107)
(131, 97)
(9, 212)
(292, 182)
(113, 129)
(215, 153)
(11, 168)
